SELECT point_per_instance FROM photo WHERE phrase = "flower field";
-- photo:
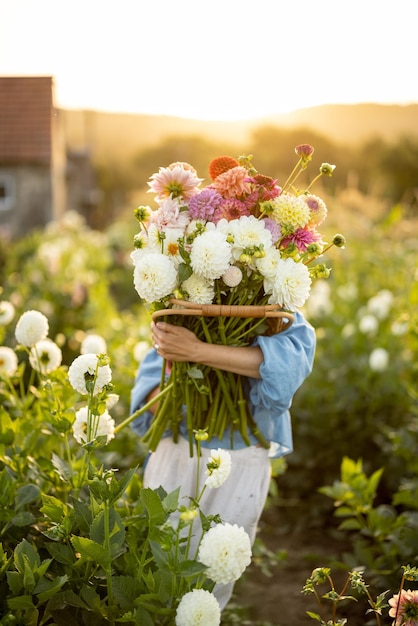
(82, 542)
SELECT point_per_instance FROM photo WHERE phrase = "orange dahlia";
(220, 165)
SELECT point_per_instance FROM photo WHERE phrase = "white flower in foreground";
(226, 551)
(8, 361)
(101, 426)
(7, 312)
(378, 359)
(198, 608)
(218, 468)
(93, 344)
(83, 370)
(291, 285)
(210, 255)
(45, 356)
(155, 276)
(199, 289)
(31, 327)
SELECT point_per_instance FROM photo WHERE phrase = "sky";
(217, 60)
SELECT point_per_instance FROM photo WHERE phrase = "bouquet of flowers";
(230, 260)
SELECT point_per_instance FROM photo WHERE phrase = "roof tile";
(26, 108)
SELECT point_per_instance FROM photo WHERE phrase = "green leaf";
(314, 615)
(7, 433)
(125, 590)
(153, 506)
(184, 271)
(91, 551)
(83, 516)
(116, 531)
(53, 508)
(64, 470)
(21, 603)
(61, 553)
(118, 487)
(195, 373)
(26, 494)
(24, 518)
(24, 554)
(92, 598)
(161, 556)
(190, 568)
(171, 501)
(45, 589)
(15, 582)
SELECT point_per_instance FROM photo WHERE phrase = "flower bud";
(304, 150)
(339, 241)
(142, 213)
(201, 435)
(327, 169)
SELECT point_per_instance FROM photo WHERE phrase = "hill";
(122, 135)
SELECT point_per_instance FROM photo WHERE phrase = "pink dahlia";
(404, 608)
(169, 215)
(274, 228)
(230, 209)
(301, 238)
(232, 183)
(204, 204)
(175, 181)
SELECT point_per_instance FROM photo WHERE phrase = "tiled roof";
(26, 108)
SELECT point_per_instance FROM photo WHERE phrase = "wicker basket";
(282, 318)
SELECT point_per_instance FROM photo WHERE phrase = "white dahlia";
(226, 551)
(93, 344)
(45, 356)
(7, 312)
(218, 468)
(249, 234)
(292, 284)
(199, 289)
(155, 276)
(210, 255)
(198, 608)
(31, 327)
(8, 361)
(85, 369)
(101, 426)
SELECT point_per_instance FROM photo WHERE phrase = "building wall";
(27, 202)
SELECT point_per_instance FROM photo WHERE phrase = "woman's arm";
(176, 343)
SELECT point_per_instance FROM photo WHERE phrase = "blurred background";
(95, 97)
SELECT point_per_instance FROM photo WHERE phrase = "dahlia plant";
(78, 543)
(241, 240)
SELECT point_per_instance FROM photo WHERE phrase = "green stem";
(106, 523)
(145, 408)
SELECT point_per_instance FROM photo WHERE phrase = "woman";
(275, 367)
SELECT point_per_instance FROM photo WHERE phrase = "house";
(40, 176)
(32, 155)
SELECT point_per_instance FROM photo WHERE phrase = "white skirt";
(240, 500)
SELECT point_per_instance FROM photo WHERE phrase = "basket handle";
(183, 307)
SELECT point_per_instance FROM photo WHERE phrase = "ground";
(278, 600)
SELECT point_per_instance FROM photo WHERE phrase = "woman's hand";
(176, 343)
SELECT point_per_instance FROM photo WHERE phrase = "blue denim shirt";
(288, 359)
